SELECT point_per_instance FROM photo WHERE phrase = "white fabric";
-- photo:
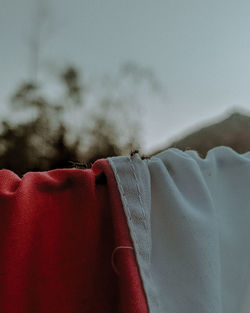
(133, 179)
(190, 223)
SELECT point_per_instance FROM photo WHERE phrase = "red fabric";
(58, 230)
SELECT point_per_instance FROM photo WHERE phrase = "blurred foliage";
(41, 143)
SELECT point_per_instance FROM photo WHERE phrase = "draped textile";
(62, 234)
(190, 222)
(169, 234)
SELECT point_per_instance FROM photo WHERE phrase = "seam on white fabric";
(125, 201)
(140, 200)
(140, 252)
(130, 224)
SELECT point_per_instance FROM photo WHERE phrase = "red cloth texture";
(58, 232)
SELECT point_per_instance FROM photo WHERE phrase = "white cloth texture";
(189, 220)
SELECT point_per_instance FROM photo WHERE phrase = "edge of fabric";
(133, 180)
(132, 294)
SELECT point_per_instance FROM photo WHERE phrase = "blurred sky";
(199, 50)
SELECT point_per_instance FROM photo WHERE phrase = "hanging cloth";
(189, 219)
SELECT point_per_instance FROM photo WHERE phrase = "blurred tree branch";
(108, 128)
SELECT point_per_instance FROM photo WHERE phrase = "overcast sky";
(199, 50)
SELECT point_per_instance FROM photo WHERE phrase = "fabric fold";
(197, 217)
(168, 234)
(58, 232)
